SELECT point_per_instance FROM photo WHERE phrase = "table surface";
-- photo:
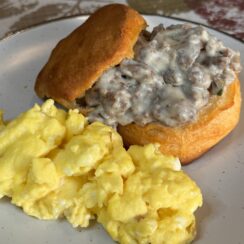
(224, 15)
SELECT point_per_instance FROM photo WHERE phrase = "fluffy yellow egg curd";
(54, 164)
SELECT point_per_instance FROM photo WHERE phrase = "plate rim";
(46, 22)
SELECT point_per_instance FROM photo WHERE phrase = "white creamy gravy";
(173, 74)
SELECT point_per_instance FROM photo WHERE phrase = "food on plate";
(100, 43)
(54, 164)
(1, 119)
(176, 86)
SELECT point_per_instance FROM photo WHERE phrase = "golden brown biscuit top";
(103, 41)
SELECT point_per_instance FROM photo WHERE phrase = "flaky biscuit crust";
(103, 41)
(190, 141)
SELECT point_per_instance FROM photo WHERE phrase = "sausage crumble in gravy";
(171, 77)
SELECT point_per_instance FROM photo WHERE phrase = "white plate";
(219, 173)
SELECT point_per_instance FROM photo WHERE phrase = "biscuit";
(190, 141)
(80, 59)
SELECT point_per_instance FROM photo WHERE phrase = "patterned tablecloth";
(224, 15)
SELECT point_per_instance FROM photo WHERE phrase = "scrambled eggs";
(55, 164)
